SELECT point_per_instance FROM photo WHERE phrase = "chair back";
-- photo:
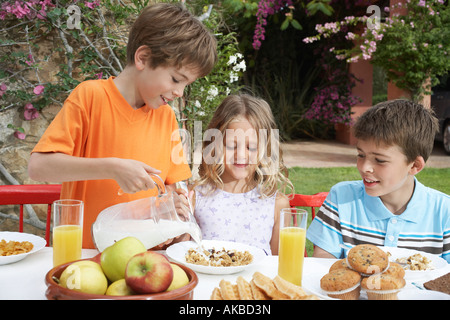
(31, 194)
(313, 201)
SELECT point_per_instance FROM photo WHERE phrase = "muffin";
(382, 286)
(341, 284)
(395, 270)
(340, 264)
(367, 259)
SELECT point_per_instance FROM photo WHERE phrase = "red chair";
(31, 194)
(313, 201)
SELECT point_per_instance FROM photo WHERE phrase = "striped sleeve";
(446, 250)
(325, 229)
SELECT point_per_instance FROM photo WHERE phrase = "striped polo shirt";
(350, 216)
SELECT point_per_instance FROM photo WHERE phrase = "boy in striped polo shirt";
(389, 206)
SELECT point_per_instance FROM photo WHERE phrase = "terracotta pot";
(57, 292)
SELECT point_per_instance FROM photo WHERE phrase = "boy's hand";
(133, 176)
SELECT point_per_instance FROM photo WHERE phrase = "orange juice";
(291, 254)
(66, 243)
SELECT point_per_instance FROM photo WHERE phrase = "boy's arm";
(320, 253)
(131, 175)
(325, 230)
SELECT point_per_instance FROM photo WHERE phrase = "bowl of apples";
(119, 273)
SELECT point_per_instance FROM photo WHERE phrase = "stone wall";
(14, 155)
(51, 55)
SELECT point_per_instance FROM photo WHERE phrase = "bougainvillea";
(265, 9)
(333, 102)
(412, 44)
(14, 64)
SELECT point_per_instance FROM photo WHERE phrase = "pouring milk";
(147, 231)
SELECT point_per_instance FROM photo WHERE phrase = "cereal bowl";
(38, 244)
(177, 252)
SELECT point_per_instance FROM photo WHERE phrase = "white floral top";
(238, 217)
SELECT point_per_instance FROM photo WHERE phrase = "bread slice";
(441, 284)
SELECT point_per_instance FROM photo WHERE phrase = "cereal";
(14, 247)
(221, 258)
(416, 262)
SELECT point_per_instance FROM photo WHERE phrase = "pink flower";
(19, 135)
(30, 112)
(379, 37)
(2, 89)
(30, 61)
(350, 36)
(92, 5)
(38, 89)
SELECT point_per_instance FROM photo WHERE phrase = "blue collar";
(376, 210)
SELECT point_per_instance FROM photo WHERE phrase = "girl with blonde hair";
(237, 196)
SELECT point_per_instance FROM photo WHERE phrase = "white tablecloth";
(25, 279)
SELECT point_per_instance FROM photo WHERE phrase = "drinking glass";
(67, 230)
(292, 244)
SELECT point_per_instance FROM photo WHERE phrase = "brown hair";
(401, 122)
(174, 37)
(270, 174)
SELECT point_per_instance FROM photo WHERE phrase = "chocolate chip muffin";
(367, 259)
(340, 264)
(395, 270)
(341, 284)
(382, 286)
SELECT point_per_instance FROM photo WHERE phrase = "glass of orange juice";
(291, 249)
(67, 230)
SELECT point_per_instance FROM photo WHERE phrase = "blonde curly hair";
(270, 174)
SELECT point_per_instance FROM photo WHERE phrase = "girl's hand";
(180, 199)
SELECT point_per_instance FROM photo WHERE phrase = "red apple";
(148, 272)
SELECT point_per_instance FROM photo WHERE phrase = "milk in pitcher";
(147, 231)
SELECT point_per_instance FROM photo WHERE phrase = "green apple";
(119, 288)
(84, 276)
(114, 259)
(88, 263)
(148, 272)
(180, 278)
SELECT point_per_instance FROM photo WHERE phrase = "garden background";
(296, 54)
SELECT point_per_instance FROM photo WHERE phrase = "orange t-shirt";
(97, 122)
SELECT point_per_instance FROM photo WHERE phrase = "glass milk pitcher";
(152, 220)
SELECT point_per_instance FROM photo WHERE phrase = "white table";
(24, 279)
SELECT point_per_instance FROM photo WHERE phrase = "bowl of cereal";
(15, 246)
(219, 257)
(417, 264)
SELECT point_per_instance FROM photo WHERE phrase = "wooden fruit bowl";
(57, 292)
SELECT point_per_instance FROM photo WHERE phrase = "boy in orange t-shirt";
(113, 133)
